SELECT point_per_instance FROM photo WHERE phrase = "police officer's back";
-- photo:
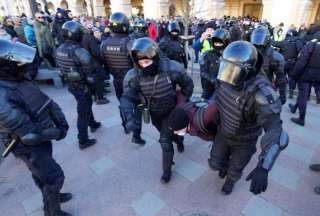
(29, 120)
(140, 29)
(78, 69)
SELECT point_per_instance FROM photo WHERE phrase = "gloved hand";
(63, 134)
(52, 133)
(259, 180)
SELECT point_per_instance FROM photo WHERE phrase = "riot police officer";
(273, 64)
(140, 29)
(29, 120)
(115, 52)
(172, 47)
(78, 70)
(209, 64)
(290, 48)
(247, 103)
(307, 73)
(153, 82)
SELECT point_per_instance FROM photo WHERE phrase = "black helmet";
(260, 36)
(16, 52)
(291, 33)
(119, 23)
(140, 25)
(222, 36)
(144, 48)
(72, 31)
(238, 63)
(173, 27)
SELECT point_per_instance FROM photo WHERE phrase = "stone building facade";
(287, 11)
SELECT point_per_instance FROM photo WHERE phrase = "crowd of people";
(246, 67)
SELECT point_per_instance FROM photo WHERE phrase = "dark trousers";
(231, 156)
(46, 174)
(99, 85)
(118, 87)
(207, 89)
(166, 138)
(303, 95)
(85, 114)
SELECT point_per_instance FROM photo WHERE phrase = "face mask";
(174, 37)
(150, 70)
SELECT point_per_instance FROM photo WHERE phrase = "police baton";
(8, 149)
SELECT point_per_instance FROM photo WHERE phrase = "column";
(123, 6)
(156, 8)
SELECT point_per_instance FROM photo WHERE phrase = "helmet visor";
(17, 52)
(231, 72)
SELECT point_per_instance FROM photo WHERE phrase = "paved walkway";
(116, 177)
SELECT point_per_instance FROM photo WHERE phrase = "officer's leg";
(317, 90)
(82, 108)
(219, 155)
(240, 157)
(49, 174)
(136, 136)
(302, 102)
(204, 85)
(160, 122)
(118, 86)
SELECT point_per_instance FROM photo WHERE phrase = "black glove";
(63, 134)
(259, 180)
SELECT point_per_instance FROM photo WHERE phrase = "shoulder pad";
(266, 95)
(175, 67)
(132, 73)
(83, 56)
(278, 57)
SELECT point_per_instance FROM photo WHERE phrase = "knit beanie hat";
(178, 119)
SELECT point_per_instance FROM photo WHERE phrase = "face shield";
(16, 52)
(231, 72)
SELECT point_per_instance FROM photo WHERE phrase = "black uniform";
(92, 45)
(273, 64)
(78, 70)
(247, 103)
(158, 90)
(289, 48)
(209, 65)
(172, 47)
(32, 119)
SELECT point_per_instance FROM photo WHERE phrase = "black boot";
(167, 162)
(166, 176)
(65, 197)
(290, 93)
(299, 121)
(227, 187)
(87, 143)
(95, 127)
(180, 147)
(63, 213)
(179, 141)
(293, 108)
(138, 140)
(318, 99)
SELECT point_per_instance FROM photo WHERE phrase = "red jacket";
(152, 31)
(210, 114)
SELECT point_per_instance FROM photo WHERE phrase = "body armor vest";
(115, 54)
(268, 63)
(290, 50)
(175, 51)
(32, 100)
(213, 59)
(237, 109)
(163, 99)
(314, 59)
(65, 57)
